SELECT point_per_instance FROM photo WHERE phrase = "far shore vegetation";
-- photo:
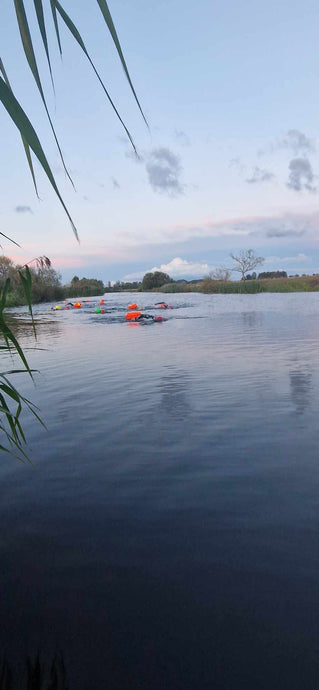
(47, 284)
(208, 285)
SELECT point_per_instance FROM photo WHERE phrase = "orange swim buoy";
(132, 306)
(131, 315)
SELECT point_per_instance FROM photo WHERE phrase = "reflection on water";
(46, 330)
(168, 538)
(252, 319)
(301, 389)
(174, 388)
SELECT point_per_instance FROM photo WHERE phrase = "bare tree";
(223, 274)
(246, 260)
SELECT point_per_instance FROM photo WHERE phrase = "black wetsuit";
(144, 316)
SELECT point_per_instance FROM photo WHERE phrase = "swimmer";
(145, 317)
(163, 305)
(137, 316)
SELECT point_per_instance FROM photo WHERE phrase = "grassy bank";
(209, 286)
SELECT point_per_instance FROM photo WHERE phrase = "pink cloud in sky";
(67, 261)
(63, 262)
(19, 259)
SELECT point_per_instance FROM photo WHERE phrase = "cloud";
(286, 259)
(163, 170)
(301, 175)
(176, 268)
(228, 230)
(181, 137)
(285, 233)
(23, 209)
(298, 142)
(69, 261)
(260, 175)
(237, 164)
(294, 141)
(137, 275)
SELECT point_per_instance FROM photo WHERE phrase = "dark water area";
(168, 537)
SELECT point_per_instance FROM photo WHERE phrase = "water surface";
(168, 537)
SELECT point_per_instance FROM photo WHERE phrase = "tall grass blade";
(41, 23)
(56, 25)
(10, 239)
(27, 42)
(10, 391)
(109, 22)
(32, 407)
(25, 144)
(10, 419)
(31, 59)
(27, 289)
(25, 127)
(30, 164)
(75, 33)
(10, 338)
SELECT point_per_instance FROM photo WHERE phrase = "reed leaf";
(56, 25)
(26, 281)
(25, 143)
(10, 419)
(25, 127)
(109, 22)
(31, 59)
(41, 23)
(32, 407)
(10, 391)
(8, 336)
(10, 239)
(76, 34)
(9, 450)
(14, 433)
(16, 455)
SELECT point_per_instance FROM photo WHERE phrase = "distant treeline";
(46, 284)
(81, 287)
(292, 284)
(268, 281)
(266, 274)
(153, 281)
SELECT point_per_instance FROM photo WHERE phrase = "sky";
(229, 160)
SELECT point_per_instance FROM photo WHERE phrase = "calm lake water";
(168, 537)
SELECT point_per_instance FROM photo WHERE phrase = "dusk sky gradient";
(231, 160)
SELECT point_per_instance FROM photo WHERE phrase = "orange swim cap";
(132, 306)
